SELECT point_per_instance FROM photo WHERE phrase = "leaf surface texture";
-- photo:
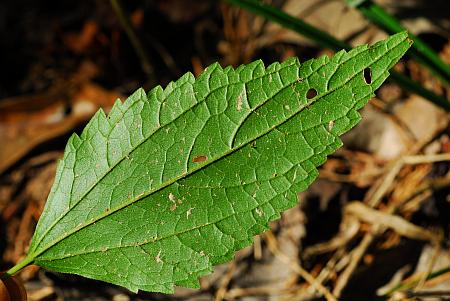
(175, 181)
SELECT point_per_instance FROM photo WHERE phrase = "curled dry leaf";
(12, 289)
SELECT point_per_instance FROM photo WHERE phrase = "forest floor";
(377, 217)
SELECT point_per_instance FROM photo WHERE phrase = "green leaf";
(175, 181)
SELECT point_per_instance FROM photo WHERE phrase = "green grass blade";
(420, 51)
(326, 40)
(415, 281)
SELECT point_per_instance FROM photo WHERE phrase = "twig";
(360, 250)
(257, 249)
(355, 258)
(415, 279)
(254, 291)
(428, 294)
(395, 280)
(330, 266)
(437, 250)
(419, 296)
(220, 294)
(420, 159)
(41, 294)
(383, 219)
(373, 201)
(348, 230)
(424, 191)
(272, 245)
(383, 187)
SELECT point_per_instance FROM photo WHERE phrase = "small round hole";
(367, 76)
(311, 93)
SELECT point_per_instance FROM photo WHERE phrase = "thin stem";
(326, 40)
(12, 271)
(132, 36)
(429, 294)
(414, 281)
(287, 21)
(414, 87)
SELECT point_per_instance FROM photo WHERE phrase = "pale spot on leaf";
(259, 212)
(239, 101)
(172, 197)
(189, 212)
(158, 257)
(330, 125)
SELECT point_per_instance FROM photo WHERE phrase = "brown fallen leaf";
(12, 289)
(27, 121)
(80, 42)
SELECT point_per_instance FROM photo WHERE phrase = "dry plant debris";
(382, 212)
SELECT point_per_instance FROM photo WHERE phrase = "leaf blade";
(192, 172)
